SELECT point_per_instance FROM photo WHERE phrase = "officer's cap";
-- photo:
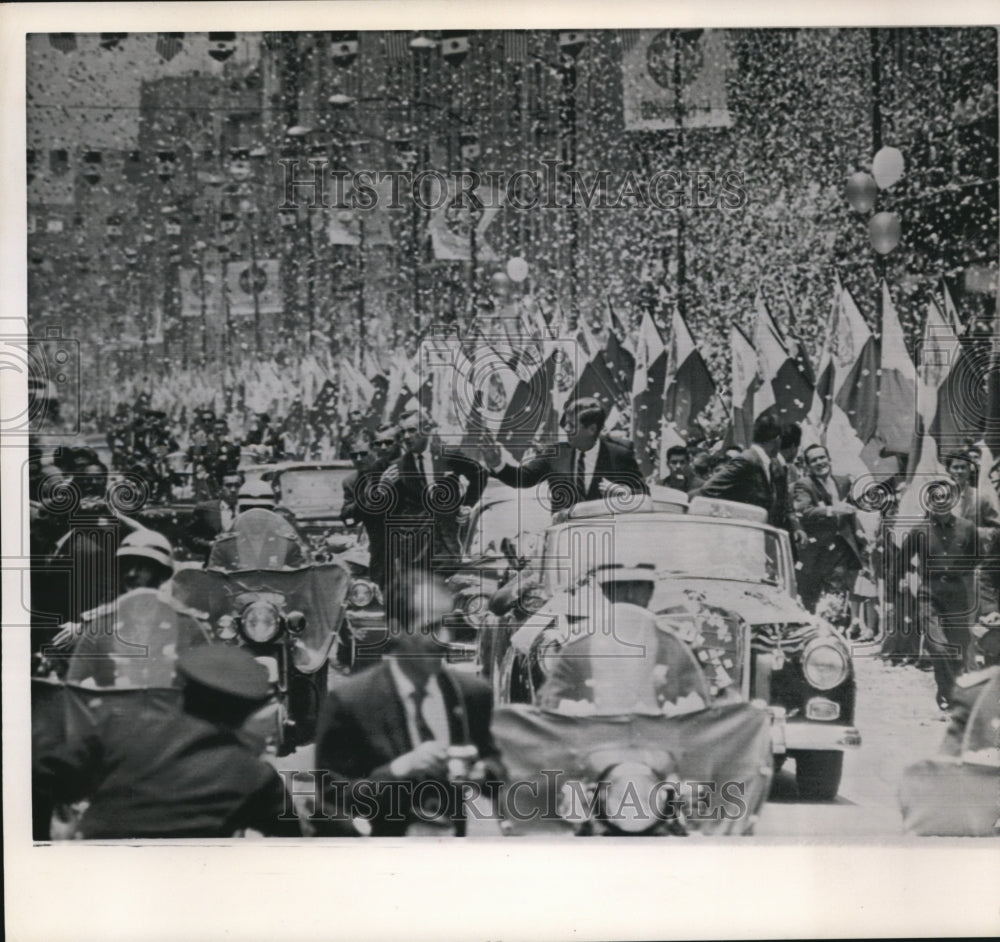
(227, 670)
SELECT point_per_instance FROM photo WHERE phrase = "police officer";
(189, 773)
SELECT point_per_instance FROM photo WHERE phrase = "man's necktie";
(581, 476)
(423, 730)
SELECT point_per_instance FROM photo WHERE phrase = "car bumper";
(803, 734)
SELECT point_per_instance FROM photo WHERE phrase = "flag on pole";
(596, 379)
(450, 226)
(515, 45)
(792, 392)
(745, 382)
(647, 392)
(897, 393)
(690, 386)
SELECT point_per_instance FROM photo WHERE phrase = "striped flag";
(647, 392)
(745, 381)
(690, 387)
(897, 383)
(397, 45)
(515, 45)
(169, 44)
(628, 38)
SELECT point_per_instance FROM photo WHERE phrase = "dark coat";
(414, 506)
(829, 534)
(362, 728)
(363, 504)
(742, 479)
(181, 777)
(556, 465)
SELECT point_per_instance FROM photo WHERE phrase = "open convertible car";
(724, 583)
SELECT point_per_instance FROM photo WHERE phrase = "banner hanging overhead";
(696, 60)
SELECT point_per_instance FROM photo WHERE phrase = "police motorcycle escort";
(262, 590)
(628, 734)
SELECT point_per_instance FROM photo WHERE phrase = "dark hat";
(227, 670)
(959, 456)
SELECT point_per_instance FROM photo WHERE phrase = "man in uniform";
(186, 774)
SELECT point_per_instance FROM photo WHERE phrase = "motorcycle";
(122, 664)
(633, 743)
(263, 591)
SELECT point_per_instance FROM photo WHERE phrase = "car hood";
(756, 604)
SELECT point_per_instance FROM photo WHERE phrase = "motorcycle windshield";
(133, 643)
(623, 663)
(318, 593)
(259, 539)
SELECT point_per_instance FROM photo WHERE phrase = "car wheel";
(817, 774)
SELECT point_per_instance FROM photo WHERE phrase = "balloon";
(517, 269)
(887, 167)
(861, 190)
(885, 231)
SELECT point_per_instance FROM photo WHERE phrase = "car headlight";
(260, 622)
(825, 666)
(361, 593)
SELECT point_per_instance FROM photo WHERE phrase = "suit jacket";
(556, 465)
(362, 505)
(810, 501)
(182, 777)
(782, 513)
(413, 502)
(743, 479)
(362, 728)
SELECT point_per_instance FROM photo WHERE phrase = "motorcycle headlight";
(361, 593)
(260, 622)
(629, 793)
(825, 666)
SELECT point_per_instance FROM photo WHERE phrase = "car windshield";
(313, 491)
(673, 546)
(522, 518)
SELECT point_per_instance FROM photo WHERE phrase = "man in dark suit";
(212, 517)
(188, 773)
(432, 492)
(579, 469)
(747, 477)
(784, 475)
(833, 553)
(384, 736)
(364, 500)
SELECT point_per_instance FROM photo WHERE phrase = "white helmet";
(149, 544)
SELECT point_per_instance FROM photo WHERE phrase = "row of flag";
(510, 377)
